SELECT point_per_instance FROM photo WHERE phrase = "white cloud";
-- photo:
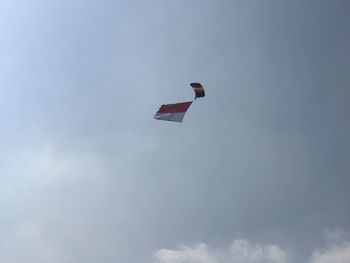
(48, 205)
(241, 251)
(245, 251)
(334, 253)
(197, 254)
(27, 174)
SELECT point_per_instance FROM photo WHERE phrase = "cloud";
(337, 250)
(241, 251)
(199, 253)
(334, 254)
(248, 252)
(58, 205)
(39, 190)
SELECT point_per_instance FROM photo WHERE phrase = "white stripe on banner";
(176, 116)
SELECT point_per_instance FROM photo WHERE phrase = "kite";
(198, 90)
(172, 112)
(176, 111)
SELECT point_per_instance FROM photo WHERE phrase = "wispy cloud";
(337, 250)
(55, 207)
(197, 253)
(40, 204)
(240, 251)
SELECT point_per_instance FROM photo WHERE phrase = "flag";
(172, 112)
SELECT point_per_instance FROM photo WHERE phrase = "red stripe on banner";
(177, 107)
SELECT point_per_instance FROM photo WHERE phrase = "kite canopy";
(172, 112)
(198, 90)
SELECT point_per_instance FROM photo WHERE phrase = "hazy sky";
(258, 172)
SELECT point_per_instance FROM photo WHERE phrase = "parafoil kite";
(176, 111)
(198, 90)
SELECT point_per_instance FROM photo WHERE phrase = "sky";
(258, 171)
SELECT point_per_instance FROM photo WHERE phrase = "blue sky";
(259, 165)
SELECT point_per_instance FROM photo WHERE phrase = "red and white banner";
(172, 112)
